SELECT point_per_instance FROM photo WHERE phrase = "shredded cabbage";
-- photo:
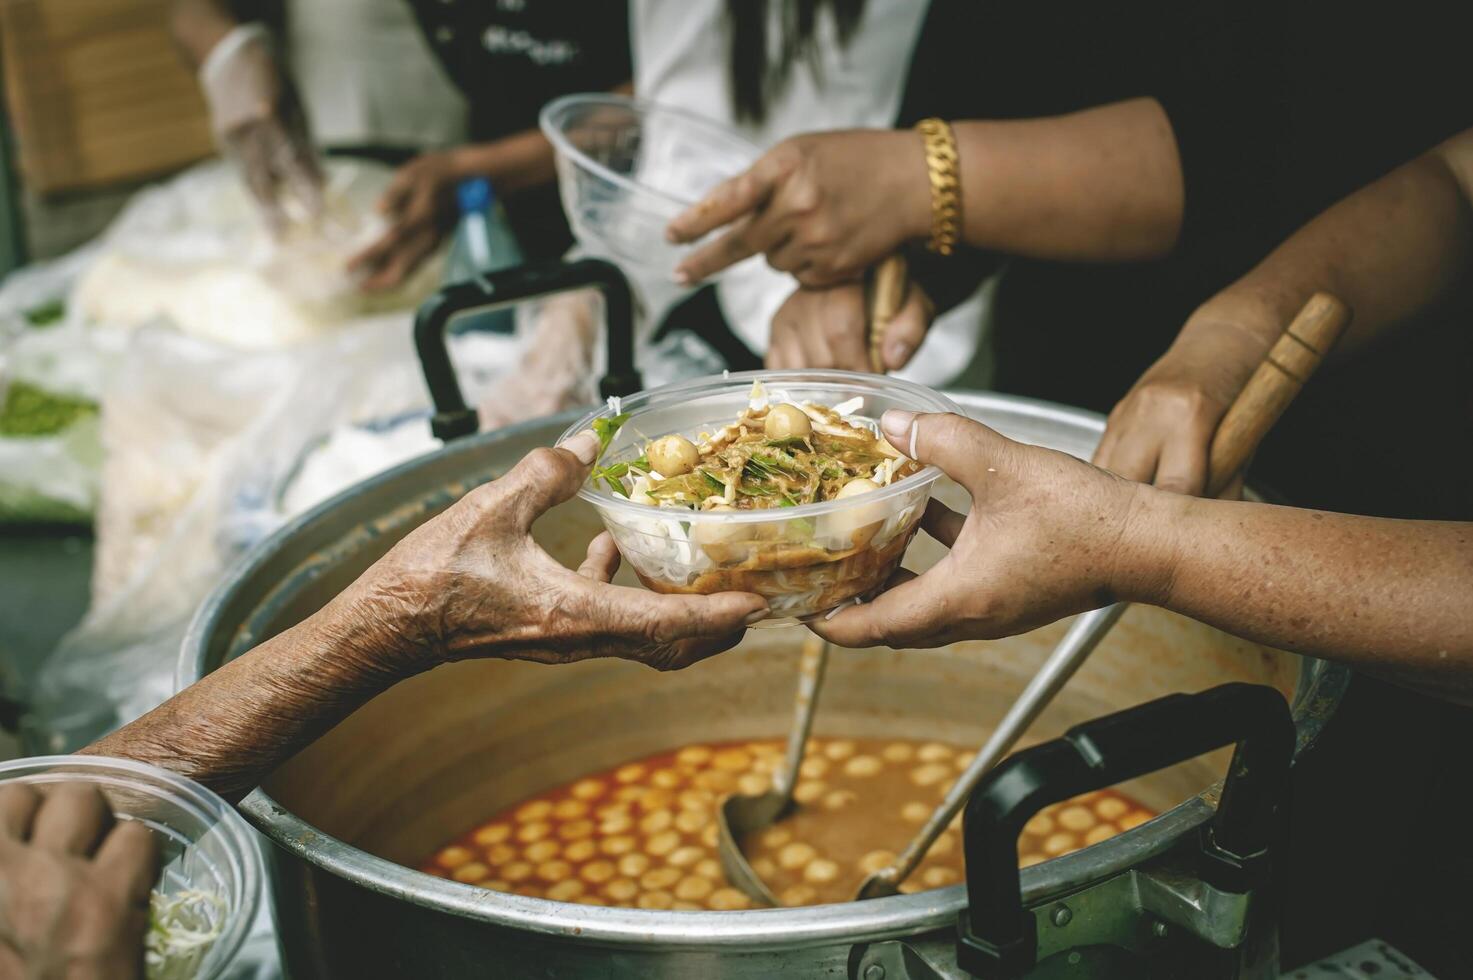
(182, 928)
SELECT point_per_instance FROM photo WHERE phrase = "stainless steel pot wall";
(437, 754)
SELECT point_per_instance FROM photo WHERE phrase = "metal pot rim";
(1318, 692)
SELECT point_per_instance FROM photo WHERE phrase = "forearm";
(514, 163)
(1393, 597)
(198, 25)
(1104, 184)
(1390, 251)
(240, 722)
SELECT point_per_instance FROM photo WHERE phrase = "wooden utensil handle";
(1275, 383)
(886, 296)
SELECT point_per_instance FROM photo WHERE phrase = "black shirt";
(1279, 109)
(1203, 61)
(510, 58)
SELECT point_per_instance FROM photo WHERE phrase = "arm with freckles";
(1048, 536)
(1392, 597)
(469, 583)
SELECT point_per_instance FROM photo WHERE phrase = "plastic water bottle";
(483, 243)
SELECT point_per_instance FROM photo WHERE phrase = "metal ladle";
(741, 816)
(1258, 406)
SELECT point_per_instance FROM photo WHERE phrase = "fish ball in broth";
(626, 838)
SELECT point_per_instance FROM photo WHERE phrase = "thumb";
(907, 329)
(547, 477)
(964, 450)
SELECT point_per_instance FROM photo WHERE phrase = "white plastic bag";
(198, 440)
(52, 477)
(193, 251)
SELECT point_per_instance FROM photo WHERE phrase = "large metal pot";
(439, 753)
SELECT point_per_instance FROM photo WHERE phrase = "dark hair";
(753, 80)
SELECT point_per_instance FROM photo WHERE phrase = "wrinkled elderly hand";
(1161, 431)
(420, 205)
(473, 583)
(259, 122)
(823, 206)
(828, 328)
(74, 886)
(1042, 541)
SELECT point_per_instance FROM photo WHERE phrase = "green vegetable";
(46, 314)
(33, 411)
(615, 485)
(718, 485)
(615, 470)
(606, 429)
(747, 490)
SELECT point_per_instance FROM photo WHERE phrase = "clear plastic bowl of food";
(804, 558)
(209, 885)
(626, 168)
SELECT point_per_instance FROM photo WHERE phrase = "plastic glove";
(259, 122)
(74, 885)
(557, 368)
(420, 206)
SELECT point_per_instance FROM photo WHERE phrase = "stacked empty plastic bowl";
(626, 167)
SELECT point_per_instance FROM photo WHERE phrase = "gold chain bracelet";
(946, 187)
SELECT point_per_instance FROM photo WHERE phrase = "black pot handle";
(453, 418)
(996, 935)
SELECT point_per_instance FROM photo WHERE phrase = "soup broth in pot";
(644, 834)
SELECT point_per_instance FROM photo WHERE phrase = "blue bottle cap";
(473, 195)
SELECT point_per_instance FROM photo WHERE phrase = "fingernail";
(757, 615)
(897, 423)
(584, 445)
(682, 278)
(672, 236)
(897, 352)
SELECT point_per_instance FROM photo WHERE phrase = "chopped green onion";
(606, 429)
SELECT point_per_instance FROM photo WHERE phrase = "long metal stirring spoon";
(1258, 406)
(741, 816)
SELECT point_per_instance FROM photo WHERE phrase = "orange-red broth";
(643, 835)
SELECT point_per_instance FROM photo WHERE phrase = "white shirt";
(367, 76)
(681, 54)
